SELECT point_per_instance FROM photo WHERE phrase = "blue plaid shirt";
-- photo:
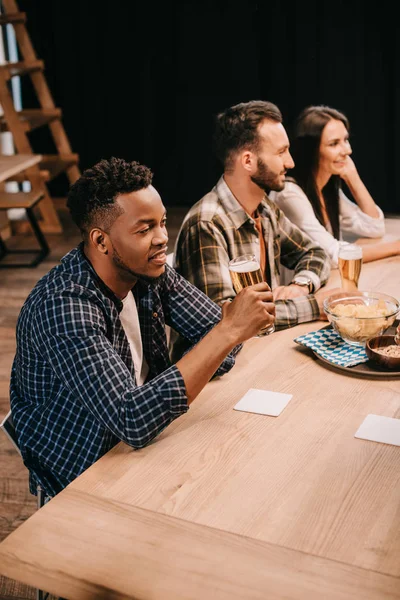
(73, 390)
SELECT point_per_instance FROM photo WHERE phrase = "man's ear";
(248, 161)
(99, 240)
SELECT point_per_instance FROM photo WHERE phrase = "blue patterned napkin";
(329, 345)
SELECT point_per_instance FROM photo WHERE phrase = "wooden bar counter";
(227, 504)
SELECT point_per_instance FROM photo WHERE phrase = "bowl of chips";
(360, 316)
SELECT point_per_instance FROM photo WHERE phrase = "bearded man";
(238, 218)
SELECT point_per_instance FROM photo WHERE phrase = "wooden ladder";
(22, 122)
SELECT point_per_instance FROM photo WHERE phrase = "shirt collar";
(104, 288)
(139, 289)
(234, 209)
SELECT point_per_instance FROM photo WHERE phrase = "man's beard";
(265, 178)
(122, 266)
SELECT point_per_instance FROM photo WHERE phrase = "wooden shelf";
(18, 69)
(18, 17)
(33, 118)
(53, 164)
(12, 165)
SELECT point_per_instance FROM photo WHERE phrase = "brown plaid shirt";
(217, 229)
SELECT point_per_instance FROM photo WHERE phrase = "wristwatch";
(303, 281)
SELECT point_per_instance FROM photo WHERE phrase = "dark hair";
(305, 152)
(236, 128)
(91, 199)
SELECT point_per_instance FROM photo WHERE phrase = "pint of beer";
(350, 261)
(245, 270)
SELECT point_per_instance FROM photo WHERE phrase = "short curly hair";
(91, 199)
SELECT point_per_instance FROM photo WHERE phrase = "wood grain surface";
(300, 483)
(112, 550)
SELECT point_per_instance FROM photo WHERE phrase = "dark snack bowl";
(384, 361)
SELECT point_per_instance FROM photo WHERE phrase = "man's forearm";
(199, 364)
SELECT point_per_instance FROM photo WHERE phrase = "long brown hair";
(305, 151)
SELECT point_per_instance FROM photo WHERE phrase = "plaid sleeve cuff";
(313, 276)
(171, 388)
(294, 311)
(228, 362)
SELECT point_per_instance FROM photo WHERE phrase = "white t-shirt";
(130, 322)
(352, 221)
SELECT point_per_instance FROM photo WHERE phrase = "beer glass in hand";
(350, 261)
(245, 270)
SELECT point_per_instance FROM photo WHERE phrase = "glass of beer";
(350, 261)
(245, 270)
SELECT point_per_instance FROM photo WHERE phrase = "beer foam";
(245, 266)
(349, 251)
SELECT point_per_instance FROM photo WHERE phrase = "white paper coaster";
(263, 402)
(380, 429)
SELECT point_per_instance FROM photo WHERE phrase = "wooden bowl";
(385, 362)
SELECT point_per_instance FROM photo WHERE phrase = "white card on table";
(263, 402)
(380, 429)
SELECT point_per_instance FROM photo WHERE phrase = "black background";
(143, 80)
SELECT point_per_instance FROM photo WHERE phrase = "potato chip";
(359, 322)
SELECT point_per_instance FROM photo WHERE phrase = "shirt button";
(155, 315)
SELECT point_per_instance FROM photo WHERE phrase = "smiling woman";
(313, 198)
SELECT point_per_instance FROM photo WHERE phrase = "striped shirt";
(217, 229)
(73, 390)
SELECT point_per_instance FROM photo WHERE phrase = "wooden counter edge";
(81, 547)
